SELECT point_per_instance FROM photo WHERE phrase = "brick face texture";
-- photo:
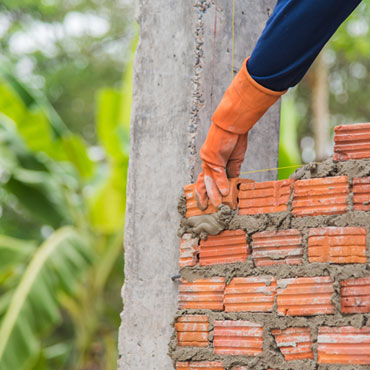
(355, 295)
(226, 247)
(361, 194)
(264, 197)
(294, 343)
(287, 283)
(237, 338)
(202, 294)
(305, 296)
(322, 196)
(192, 330)
(337, 245)
(189, 250)
(255, 294)
(352, 142)
(277, 247)
(344, 345)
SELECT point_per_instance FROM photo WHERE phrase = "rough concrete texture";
(272, 356)
(170, 117)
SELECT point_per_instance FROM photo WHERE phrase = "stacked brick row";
(226, 316)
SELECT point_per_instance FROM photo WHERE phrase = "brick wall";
(286, 285)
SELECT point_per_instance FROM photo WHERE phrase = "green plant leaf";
(33, 309)
(107, 205)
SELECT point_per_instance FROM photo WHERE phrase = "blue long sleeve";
(293, 37)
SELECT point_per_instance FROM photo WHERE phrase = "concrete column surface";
(182, 67)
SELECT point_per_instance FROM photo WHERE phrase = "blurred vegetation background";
(65, 96)
(335, 91)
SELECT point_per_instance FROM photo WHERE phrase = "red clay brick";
(305, 296)
(227, 247)
(202, 294)
(337, 245)
(264, 197)
(237, 338)
(321, 196)
(344, 345)
(255, 294)
(355, 295)
(277, 247)
(191, 204)
(352, 142)
(361, 194)
(294, 343)
(189, 251)
(192, 330)
(210, 365)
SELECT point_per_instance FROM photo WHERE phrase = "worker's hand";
(222, 154)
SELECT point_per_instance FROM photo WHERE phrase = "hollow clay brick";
(202, 294)
(321, 196)
(361, 194)
(345, 345)
(192, 330)
(355, 295)
(337, 245)
(305, 296)
(254, 294)
(294, 343)
(352, 142)
(227, 247)
(237, 338)
(277, 247)
(264, 197)
(230, 200)
(210, 365)
(189, 251)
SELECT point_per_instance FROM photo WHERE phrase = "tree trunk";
(320, 107)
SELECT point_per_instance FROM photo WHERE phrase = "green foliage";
(289, 154)
(55, 285)
(33, 308)
(70, 49)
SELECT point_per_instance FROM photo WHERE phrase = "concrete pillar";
(182, 67)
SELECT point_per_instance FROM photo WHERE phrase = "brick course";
(344, 345)
(361, 194)
(277, 247)
(192, 330)
(352, 142)
(337, 245)
(355, 295)
(237, 338)
(227, 247)
(321, 196)
(305, 296)
(264, 197)
(294, 343)
(255, 294)
(202, 294)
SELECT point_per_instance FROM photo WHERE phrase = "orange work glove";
(243, 104)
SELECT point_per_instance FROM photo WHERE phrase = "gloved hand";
(244, 103)
(222, 154)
